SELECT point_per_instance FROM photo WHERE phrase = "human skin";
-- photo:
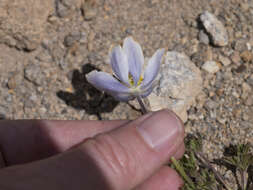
(91, 155)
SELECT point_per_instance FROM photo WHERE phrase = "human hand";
(91, 155)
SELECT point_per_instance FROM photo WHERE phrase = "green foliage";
(239, 156)
(202, 176)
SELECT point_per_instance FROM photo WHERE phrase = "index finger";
(23, 141)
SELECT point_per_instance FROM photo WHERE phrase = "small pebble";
(249, 101)
(211, 67)
(210, 104)
(215, 28)
(246, 89)
(224, 60)
(237, 112)
(90, 14)
(248, 46)
(89, 10)
(72, 38)
(12, 83)
(219, 91)
(240, 45)
(241, 69)
(245, 117)
(235, 57)
(235, 94)
(246, 56)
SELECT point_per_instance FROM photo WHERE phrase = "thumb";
(127, 156)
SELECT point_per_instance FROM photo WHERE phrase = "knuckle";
(114, 155)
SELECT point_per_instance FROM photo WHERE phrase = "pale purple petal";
(105, 82)
(135, 58)
(152, 68)
(147, 90)
(118, 60)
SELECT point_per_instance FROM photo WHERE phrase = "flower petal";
(152, 68)
(146, 91)
(118, 60)
(105, 82)
(135, 58)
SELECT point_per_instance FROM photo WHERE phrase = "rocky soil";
(47, 47)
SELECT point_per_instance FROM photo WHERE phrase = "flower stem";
(143, 108)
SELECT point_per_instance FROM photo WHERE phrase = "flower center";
(131, 80)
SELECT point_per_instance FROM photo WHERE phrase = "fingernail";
(161, 130)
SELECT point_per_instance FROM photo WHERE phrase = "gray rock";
(215, 28)
(34, 74)
(203, 37)
(67, 8)
(178, 83)
(62, 10)
(22, 22)
(70, 39)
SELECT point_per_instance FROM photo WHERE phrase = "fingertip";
(180, 152)
(166, 178)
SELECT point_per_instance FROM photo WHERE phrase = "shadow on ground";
(85, 96)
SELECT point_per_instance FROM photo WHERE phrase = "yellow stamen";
(140, 80)
(131, 80)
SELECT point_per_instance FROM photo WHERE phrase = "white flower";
(127, 64)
